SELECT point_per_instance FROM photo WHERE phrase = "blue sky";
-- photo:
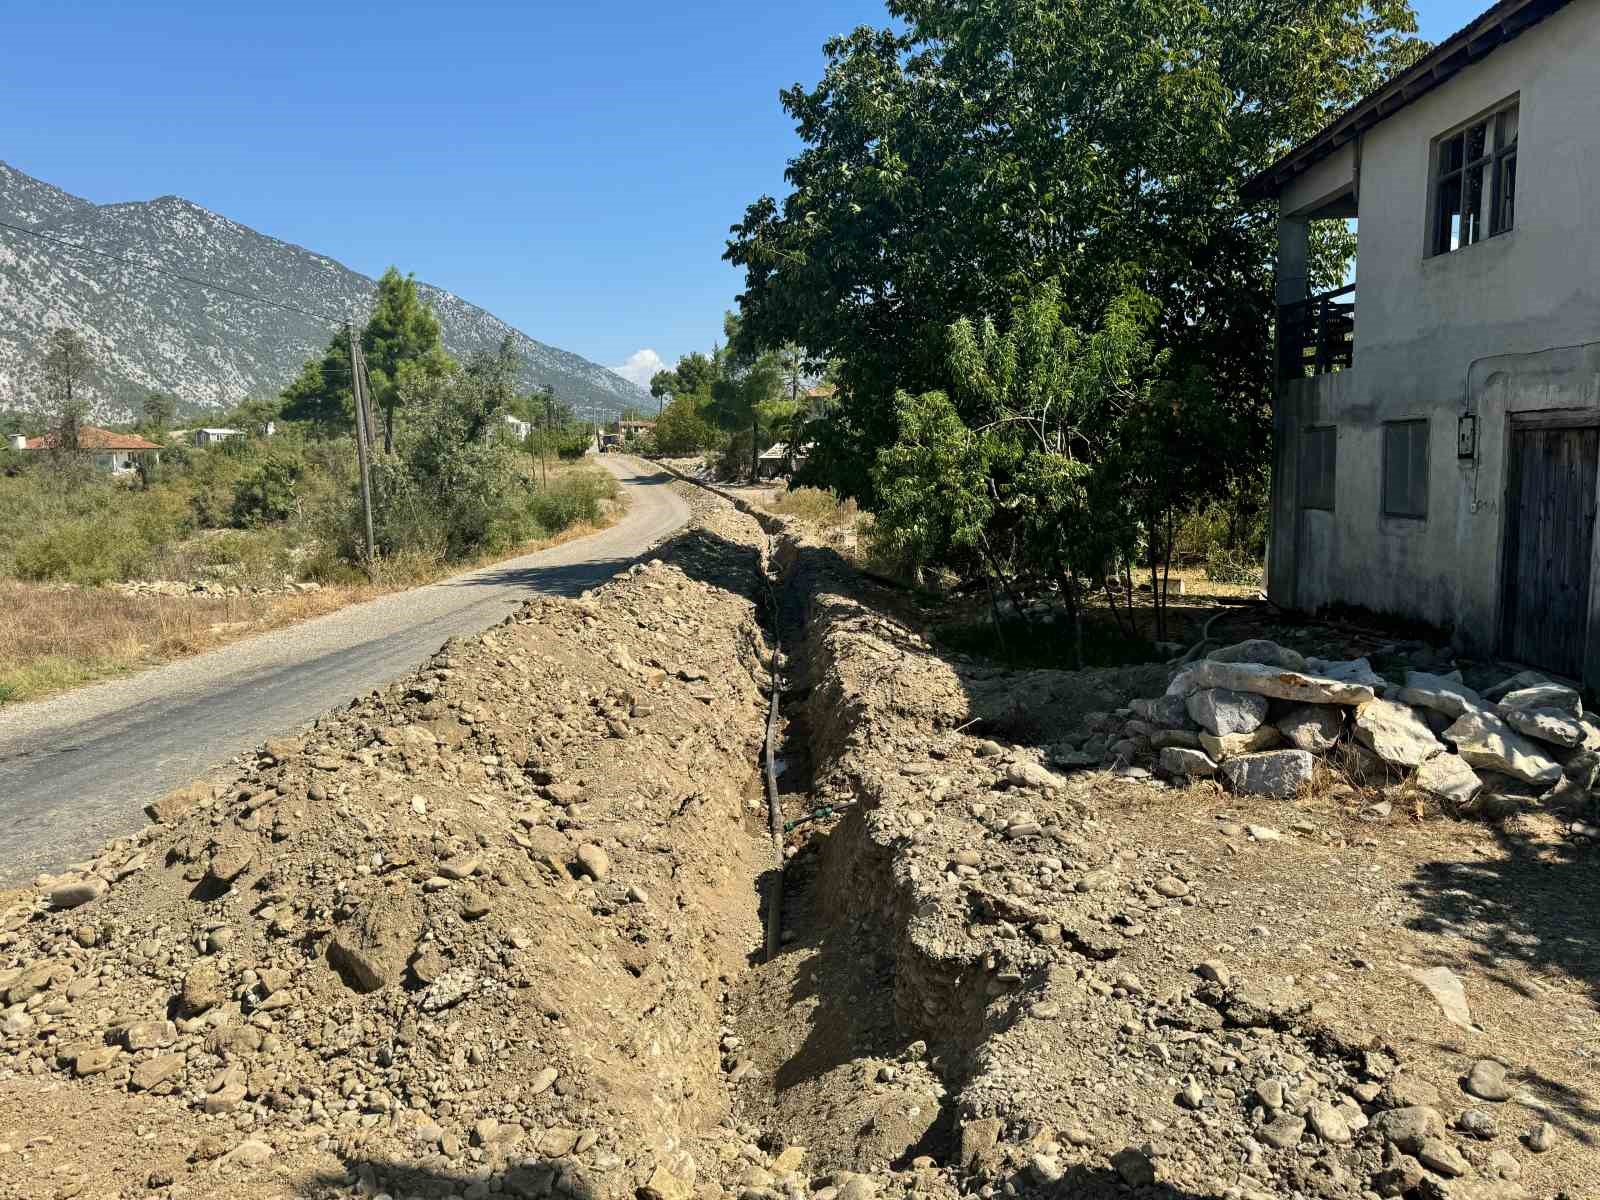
(572, 167)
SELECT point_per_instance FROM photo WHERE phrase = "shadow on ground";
(1530, 911)
(567, 1178)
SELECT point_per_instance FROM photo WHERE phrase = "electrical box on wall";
(1467, 436)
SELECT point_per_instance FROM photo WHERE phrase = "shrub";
(571, 500)
(1232, 566)
(815, 505)
(85, 550)
(266, 495)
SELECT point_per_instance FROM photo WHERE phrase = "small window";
(1318, 457)
(1475, 181)
(1405, 469)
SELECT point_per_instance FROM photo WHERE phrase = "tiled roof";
(92, 438)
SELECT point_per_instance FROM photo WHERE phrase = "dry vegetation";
(61, 636)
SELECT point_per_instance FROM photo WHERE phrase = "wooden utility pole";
(358, 388)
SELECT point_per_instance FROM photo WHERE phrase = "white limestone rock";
(1276, 773)
(1182, 763)
(1545, 724)
(1221, 711)
(1544, 695)
(1395, 733)
(1449, 777)
(1522, 679)
(1354, 670)
(1260, 650)
(1275, 682)
(1234, 744)
(1313, 727)
(1488, 743)
(1442, 693)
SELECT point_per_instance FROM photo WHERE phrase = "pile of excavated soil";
(469, 936)
(1012, 981)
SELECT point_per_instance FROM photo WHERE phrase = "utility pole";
(358, 388)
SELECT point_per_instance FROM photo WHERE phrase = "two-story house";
(1437, 423)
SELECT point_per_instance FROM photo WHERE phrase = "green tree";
(682, 427)
(65, 367)
(320, 396)
(254, 415)
(401, 340)
(494, 374)
(158, 410)
(953, 160)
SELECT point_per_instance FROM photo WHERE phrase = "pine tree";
(402, 338)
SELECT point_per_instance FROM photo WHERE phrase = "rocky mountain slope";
(210, 349)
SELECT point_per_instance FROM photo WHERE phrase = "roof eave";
(1484, 34)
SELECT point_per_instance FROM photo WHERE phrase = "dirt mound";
(469, 935)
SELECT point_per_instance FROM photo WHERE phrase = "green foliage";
(683, 427)
(320, 397)
(819, 507)
(402, 346)
(954, 158)
(931, 484)
(158, 410)
(254, 416)
(84, 550)
(266, 495)
(571, 500)
(1064, 451)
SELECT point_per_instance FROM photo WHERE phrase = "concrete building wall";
(1478, 331)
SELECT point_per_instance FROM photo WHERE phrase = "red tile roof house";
(117, 453)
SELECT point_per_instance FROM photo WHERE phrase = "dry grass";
(57, 638)
(814, 505)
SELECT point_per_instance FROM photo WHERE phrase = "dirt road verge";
(469, 936)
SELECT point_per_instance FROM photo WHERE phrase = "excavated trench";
(849, 1042)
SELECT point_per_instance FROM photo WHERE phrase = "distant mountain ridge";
(211, 350)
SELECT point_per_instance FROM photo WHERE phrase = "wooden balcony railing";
(1317, 335)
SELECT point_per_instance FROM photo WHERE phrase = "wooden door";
(1549, 540)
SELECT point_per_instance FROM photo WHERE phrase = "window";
(1405, 469)
(1475, 181)
(1318, 455)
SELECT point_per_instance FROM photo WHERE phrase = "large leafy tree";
(401, 339)
(968, 153)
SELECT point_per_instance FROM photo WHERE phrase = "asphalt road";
(76, 771)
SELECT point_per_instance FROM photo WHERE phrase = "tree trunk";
(994, 613)
(388, 429)
(1166, 568)
(1068, 581)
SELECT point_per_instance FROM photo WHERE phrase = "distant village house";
(115, 453)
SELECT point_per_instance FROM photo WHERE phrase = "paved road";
(75, 771)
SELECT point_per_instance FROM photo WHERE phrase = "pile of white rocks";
(1259, 715)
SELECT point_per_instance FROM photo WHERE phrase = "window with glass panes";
(1475, 181)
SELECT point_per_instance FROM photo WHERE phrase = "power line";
(142, 266)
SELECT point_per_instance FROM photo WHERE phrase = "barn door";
(1549, 538)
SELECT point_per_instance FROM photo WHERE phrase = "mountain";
(148, 331)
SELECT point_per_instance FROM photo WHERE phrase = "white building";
(1437, 427)
(211, 437)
